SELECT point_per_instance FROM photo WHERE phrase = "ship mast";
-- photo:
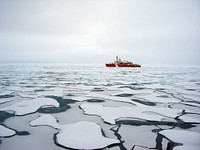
(117, 59)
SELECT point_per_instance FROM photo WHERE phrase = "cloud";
(95, 31)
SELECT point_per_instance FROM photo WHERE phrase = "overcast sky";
(148, 32)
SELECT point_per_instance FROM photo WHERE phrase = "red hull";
(123, 65)
(129, 65)
(110, 65)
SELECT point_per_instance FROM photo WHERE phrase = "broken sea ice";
(5, 132)
(80, 135)
(186, 139)
(30, 106)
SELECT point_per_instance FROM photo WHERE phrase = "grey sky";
(155, 32)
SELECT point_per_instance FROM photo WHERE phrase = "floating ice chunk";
(128, 90)
(191, 104)
(46, 120)
(123, 90)
(28, 94)
(19, 88)
(52, 92)
(80, 135)
(5, 92)
(190, 147)
(187, 119)
(82, 87)
(140, 148)
(190, 140)
(160, 86)
(103, 97)
(4, 132)
(5, 100)
(30, 106)
(194, 97)
(189, 87)
(79, 98)
(110, 114)
(133, 135)
(157, 97)
(187, 147)
(113, 98)
(83, 135)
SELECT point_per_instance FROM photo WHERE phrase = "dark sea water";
(57, 107)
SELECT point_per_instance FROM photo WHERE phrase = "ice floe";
(5, 92)
(192, 104)
(189, 140)
(187, 119)
(28, 94)
(5, 100)
(110, 114)
(30, 106)
(154, 96)
(102, 97)
(132, 136)
(5, 132)
(80, 135)
(140, 148)
(52, 92)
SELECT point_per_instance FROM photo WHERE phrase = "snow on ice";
(80, 135)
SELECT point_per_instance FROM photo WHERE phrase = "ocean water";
(60, 106)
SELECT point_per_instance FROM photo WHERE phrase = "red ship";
(119, 63)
